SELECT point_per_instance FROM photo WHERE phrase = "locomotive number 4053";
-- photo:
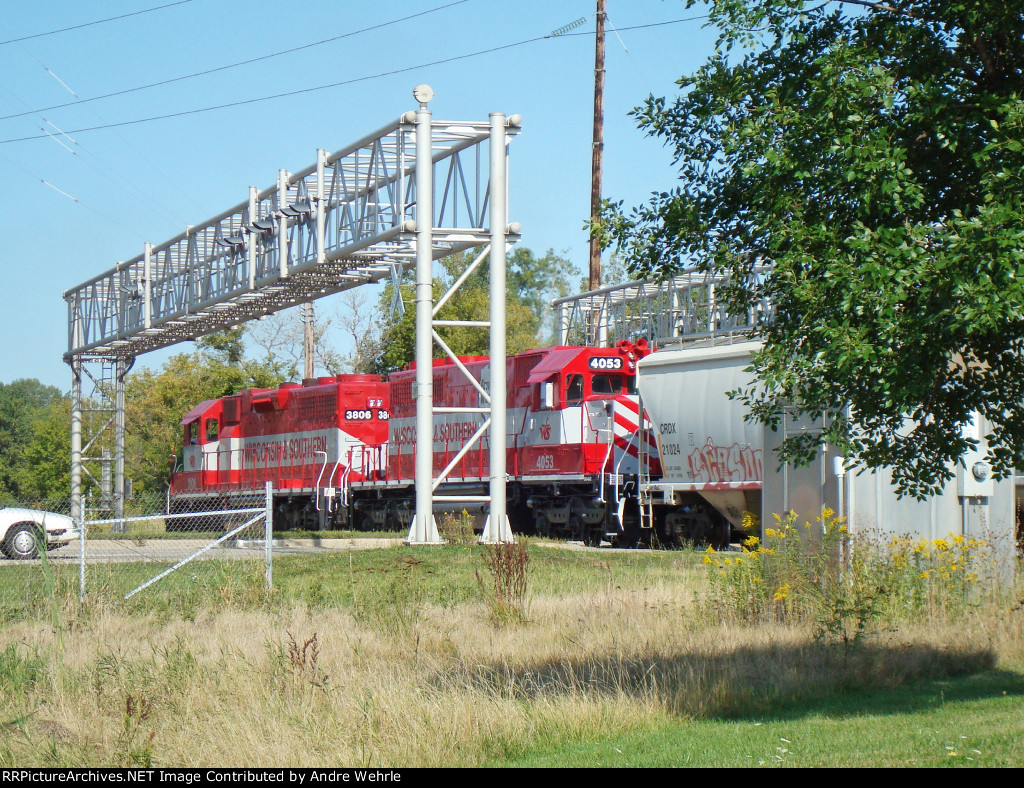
(604, 362)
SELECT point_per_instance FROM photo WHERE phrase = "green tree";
(535, 281)
(228, 345)
(157, 400)
(873, 152)
(531, 282)
(21, 404)
(44, 467)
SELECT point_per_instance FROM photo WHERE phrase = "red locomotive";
(304, 439)
(341, 451)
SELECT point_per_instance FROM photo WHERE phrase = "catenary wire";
(352, 81)
(229, 66)
(90, 24)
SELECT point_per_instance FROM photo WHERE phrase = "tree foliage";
(43, 470)
(874, 154)
(156, 401)
(531, 282)
(27, 410)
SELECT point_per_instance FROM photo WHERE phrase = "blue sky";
(75, 204)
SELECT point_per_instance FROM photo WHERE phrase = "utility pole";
(595, 173)
(308, 344)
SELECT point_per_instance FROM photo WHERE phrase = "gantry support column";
(120, 373)
(77, 509)
(424, 528)
(497, 528)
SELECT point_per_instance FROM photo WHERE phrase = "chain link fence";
(156, 530)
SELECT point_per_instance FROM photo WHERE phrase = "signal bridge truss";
(406, 195)
(347, 220)
(687, 308)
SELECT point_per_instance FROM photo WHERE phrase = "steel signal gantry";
(410, 193)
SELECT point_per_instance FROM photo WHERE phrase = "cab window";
(192, 433)
(212, 429)
(606, 384)
(574, 390)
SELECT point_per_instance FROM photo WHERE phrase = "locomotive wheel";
(592, 534)
(629, 537)
(361, 521)
(666, 537)
(22, 542)
(542, 525)
(575, 528)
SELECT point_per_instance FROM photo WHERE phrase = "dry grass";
(299, 687)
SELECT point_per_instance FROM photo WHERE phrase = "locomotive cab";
(581, 434)
(196, 457)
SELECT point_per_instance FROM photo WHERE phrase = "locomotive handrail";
(343, 482)
(334, 471)
(607, 454)
(619, 464)
(628, 443)
(319, 478)
(462, 453)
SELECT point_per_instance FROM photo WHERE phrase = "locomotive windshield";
(607, 384)
(601, 385)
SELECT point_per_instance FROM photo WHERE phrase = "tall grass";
(505, 592)
(816, 574)
(393, 657)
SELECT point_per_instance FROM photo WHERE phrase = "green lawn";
(394, 657)
(975, 720)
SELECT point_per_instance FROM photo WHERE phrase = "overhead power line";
(261, 58)
(90, 24)
(354, 80)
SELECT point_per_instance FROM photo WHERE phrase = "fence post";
(268, 520)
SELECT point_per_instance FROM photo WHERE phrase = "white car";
(21, 531)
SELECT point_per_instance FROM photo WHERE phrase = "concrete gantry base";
(497, 533)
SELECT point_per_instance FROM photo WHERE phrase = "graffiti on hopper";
(737, 463)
